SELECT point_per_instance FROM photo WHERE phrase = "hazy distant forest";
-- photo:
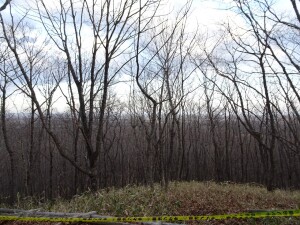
(218, 104)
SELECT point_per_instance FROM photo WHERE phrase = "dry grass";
(182, 198)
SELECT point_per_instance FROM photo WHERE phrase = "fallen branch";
(92, 214)
(37, 212)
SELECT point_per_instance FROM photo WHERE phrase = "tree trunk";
(12, 184)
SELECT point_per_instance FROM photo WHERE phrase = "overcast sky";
(206, 14)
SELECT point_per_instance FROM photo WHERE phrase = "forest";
(99, 94)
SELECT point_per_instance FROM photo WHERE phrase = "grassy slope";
(182, 198)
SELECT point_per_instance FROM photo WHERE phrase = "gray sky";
(207, 14)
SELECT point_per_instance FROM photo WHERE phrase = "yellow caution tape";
(278, 213)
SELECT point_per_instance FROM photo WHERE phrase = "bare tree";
(5, 71)
(160, 62)
(95, 65)
(5, 4)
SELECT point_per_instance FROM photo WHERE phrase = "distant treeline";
(220, 150)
